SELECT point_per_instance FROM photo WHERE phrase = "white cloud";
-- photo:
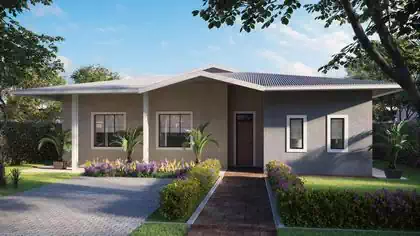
(110, 42)
(213, 48)
(67, 63)
(64, 28)
(42, 10)
(111, 29)
(286, 66)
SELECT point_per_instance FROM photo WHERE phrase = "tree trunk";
(129, 160)
(2, 175)
(399, 71)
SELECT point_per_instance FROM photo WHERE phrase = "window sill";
(173, 148)
(107, 148)
(338, 150)
(290, 150)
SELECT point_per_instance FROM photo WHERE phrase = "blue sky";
(142, 37)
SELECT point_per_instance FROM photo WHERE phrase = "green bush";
(205, 176)
(300, 207)
(22, 142)
(179, 199)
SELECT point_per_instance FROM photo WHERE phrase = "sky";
(141, 37)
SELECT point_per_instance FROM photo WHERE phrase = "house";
(316, 125)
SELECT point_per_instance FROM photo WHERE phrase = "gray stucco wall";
(317, 105)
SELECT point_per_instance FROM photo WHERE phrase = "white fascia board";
(37, 92)
(333, 87)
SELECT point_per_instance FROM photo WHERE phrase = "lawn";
(366, 184)
(33, 180)
(160, 229)
(321, 232)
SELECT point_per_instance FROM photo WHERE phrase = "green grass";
(322, 232)
(160, 229)
(32, 180)
(366, 184)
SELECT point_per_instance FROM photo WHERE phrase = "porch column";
(146, 127)
(74, 132)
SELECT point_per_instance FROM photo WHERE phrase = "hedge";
(22, 142)
(301, 207)
(179, 199)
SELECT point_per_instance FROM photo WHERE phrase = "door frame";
(254, 115)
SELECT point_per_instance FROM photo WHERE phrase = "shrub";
(205, 176)
(178, 199)
(336, 209)
(15, 176)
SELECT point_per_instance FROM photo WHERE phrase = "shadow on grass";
(331, 232)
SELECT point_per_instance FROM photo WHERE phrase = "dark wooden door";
(244, 139)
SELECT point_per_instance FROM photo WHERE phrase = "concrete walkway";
(240, 206)
(81, 206)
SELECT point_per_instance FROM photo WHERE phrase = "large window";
(296, 133)
(337, 133)
(106, 127)
(173, 129)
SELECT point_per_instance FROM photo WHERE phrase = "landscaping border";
(203, 203)
(273, 204)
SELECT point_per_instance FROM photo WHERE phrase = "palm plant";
(61, 141)
(198, 140)
(394, 141)
(129, 140)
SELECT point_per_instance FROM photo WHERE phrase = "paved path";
(240, 206)
(81, 206)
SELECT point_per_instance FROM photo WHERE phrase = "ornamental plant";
(198, 140)
(395, 140)
(61, 140)
(129, 139)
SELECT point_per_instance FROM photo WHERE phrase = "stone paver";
(240, 206)
(81, 206)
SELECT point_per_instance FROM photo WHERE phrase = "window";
(296, 133)
(173, 129)
(106, 127)
(337, 133)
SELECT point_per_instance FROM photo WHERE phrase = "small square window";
(107, 126)
(173, 129)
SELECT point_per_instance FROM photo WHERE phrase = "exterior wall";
(132, 104)
(207, 100)
(244, 99)
(317, 105)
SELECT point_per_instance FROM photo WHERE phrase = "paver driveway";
(81, 206)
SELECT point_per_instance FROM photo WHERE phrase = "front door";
(244, 139)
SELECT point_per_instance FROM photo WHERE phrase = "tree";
(21, 52)
(93, 73)
(387, 18)
(386, 107)
(129, 140)
(198, 140)
(29, 108)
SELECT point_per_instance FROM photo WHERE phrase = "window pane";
(296, 133)
(99, 131)
(119, 123)
(109, 124)
(174, 123)
(173, 129)
(337, 133)
(163, 129)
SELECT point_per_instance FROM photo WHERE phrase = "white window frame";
(305, 133)
(346, 133)
(157, 128)
(92, 126)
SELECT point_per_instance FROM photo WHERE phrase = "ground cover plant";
(119, 168)
(382, 209)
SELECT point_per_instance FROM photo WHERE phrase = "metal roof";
(252, 80)
(278, 80)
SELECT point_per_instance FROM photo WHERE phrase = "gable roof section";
(257, 81)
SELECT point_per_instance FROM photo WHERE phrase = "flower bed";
(169, 169)
(301, 207)
(179, 199)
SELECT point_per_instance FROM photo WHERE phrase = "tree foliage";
(23, 53)
(387, 107)
(386, 18)
(129, 139)
(198, 140)
(93, 73)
